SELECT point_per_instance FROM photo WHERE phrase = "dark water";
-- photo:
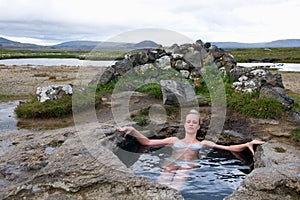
(218, 175)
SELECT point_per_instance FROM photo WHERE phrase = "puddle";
(8, 119)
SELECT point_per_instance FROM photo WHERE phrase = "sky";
(48, 22)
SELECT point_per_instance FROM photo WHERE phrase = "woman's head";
(192, 121)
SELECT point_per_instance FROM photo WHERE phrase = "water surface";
(218, 175)
(8, 120)
(55, 62)
(287, 67)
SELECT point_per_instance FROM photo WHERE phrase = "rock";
(275, 176)
(228, 137)
(71, 169)
(103, 78)
(121, 67)
(53, 92)
(255, 79)
(277, 94)
(175, 92)
(164, 62)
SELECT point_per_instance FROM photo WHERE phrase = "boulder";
(275, 174)
(105, 77)
(175, 92)
(53, 92)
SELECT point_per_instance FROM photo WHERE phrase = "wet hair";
(194, 112)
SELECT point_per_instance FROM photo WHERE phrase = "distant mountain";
(98, 45)
(9, 44)
(80, 45)
(76, 45)
(145, 44)
(273, 44)
(94, 45)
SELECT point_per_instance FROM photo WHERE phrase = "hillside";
(9, 44)
(101, 45)
(80, 45)
(273, 44)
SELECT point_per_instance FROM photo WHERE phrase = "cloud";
(213, 20)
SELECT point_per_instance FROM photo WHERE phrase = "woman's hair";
(193, 111)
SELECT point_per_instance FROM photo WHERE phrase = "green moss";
(296, 134)
(106, 88)
(152, 89)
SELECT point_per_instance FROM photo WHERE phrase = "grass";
(152, 89)
(280, 55)
(56, 53)
(48, 109)
(252, 106)
(296, 134)
(296, 98)
(6, 98)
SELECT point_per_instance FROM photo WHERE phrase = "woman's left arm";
(235, 148)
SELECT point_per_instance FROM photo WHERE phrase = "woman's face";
(191, 124)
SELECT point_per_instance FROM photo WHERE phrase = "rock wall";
(188, 59)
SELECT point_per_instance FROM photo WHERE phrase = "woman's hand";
(126, 129)
(253, 142)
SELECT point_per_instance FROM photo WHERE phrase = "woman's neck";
(190, 138)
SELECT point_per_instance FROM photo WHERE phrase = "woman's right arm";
(144, 140)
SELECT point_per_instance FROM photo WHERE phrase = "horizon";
(119, 41)
(54, 22)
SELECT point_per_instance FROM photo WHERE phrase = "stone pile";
(187, 59)
(258, 79)
(53, 92)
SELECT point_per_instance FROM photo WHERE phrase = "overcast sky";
(165, 21)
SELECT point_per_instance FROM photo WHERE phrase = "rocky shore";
(56, 165)
(79, 163)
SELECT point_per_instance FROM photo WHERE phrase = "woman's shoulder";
(206, 143)
(174, 139)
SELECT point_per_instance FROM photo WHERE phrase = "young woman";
(191, 126)
(186, 149)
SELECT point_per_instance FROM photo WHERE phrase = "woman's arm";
(235, 148)
(144, 140)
